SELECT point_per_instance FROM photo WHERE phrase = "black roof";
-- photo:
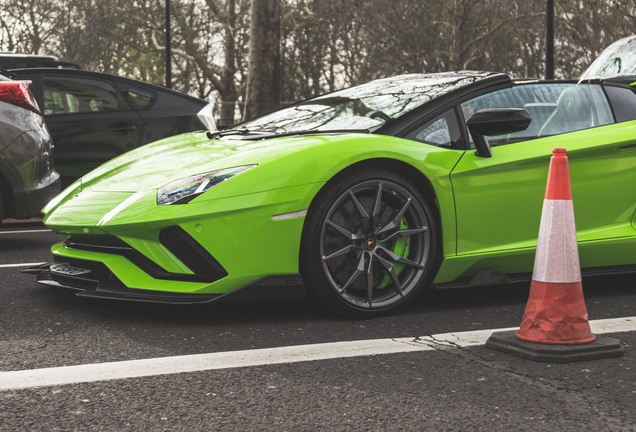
(19, 61)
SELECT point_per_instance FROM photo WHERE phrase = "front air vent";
(115, 246)
(98, 243)
(191, 253)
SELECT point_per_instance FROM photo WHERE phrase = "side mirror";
(495, 121)
(206, 117)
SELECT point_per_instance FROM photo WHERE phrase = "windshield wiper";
(316, 132)
(235, 131)
(279, 132)
(246, 131)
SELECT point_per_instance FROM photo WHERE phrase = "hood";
(178, 157)
(283, 162)
(617, 59)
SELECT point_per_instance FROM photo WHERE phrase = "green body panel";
(238, 231)
(499, 201)
(489, 208)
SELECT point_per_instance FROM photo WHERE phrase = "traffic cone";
(556, 312)
(555, 325)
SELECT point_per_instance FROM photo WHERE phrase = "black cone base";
(602, 347)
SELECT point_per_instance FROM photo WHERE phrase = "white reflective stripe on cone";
(557, 258)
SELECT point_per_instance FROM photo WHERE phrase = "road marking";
(14, 380)
(25, 231)
(21, 265)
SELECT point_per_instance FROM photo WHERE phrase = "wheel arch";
(412, 174)
(308, 255)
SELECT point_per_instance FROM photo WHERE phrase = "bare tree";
(211, 45)
(27, 26)
(301, 48)
(584, 29)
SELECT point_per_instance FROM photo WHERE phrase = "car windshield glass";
(364, 107)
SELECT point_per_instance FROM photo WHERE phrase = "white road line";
(14, 380)
(20, 265)
(26, 231)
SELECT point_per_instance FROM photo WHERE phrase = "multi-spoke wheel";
(369, 244)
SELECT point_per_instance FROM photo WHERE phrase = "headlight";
(185, 190)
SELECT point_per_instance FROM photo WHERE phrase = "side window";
(623, 101)
(137, 98)
(66, 95)
(442, 131)
(579, 107)
(555, 108)
(539, 99)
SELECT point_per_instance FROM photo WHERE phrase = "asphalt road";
(445, 389)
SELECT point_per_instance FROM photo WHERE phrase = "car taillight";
(18, 93)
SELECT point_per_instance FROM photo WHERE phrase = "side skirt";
(498, 277)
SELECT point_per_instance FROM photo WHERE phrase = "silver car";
(28, 179)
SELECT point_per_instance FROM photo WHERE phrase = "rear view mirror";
(496, 121)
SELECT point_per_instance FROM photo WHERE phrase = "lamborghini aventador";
(364, 196)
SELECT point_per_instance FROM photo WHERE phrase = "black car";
(28, 180)
(94, 117)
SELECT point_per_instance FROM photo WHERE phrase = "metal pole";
(549, 40)
(168, 48)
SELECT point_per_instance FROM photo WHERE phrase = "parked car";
(94, 117)
(28, 179)
(366, 195)
(369, 193)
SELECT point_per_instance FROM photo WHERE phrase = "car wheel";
(369, 244)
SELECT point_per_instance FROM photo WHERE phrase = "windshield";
(362, 108)
(617, 59)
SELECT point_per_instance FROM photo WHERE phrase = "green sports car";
(364, 196)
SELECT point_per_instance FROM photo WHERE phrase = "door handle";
(122, 128)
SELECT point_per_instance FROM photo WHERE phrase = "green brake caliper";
(401, 248)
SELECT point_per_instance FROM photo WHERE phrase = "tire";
(369, 244)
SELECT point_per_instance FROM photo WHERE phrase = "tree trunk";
(263, 76)
(229, 95)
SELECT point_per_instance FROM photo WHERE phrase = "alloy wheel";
(375, 244)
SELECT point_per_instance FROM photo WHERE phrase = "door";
(499, 199)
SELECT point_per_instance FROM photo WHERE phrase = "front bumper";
(191, 253)
(94, 280)
(243, 235)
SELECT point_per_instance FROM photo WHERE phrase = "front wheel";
(369, 244)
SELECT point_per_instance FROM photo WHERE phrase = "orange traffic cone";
(556, 312)
(555, 324)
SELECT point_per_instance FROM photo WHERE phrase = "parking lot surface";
(445, 389)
